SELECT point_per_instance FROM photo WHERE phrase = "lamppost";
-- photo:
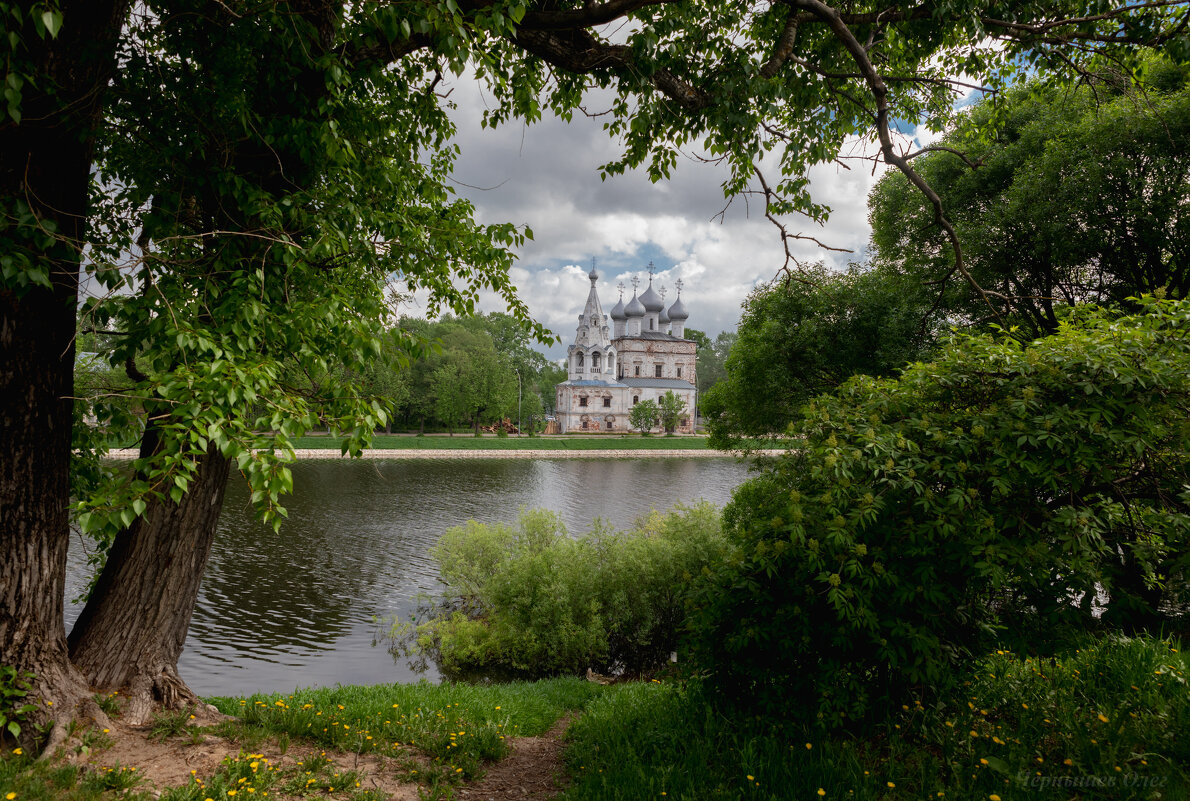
(518, 400)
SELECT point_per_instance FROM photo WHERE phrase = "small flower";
(10, 796)
(821, 791)
(17, 751)
(890, 785)
(993, 797)
(1102, 718)
(751, 777)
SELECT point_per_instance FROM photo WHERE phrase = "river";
(295, 608)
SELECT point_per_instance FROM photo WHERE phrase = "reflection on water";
(294, 608)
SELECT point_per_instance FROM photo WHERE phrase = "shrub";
(529, 600)
(980, 499)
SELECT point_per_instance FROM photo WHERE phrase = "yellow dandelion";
(890, 785)
(751, 777)
(821, 791)
(17, 751)
(809, 746)
(993, 797)
(11, 796)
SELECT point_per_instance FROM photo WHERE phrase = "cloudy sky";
(546, 176)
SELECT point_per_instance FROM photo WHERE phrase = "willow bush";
(1002, 491)
(529, 600)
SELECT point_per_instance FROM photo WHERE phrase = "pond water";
(295, 608)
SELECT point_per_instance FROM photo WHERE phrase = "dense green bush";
(529, 600)
(979, 499)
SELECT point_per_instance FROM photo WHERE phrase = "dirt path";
(532, 772)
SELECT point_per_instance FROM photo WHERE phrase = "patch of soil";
(532, 772)
(176, 761)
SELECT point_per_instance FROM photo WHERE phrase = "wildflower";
(821, 791)
(890, 785)
(993, 797)
(809, 746)
(751, 777)
(10, 796)
(1102, 718)
(17, 751)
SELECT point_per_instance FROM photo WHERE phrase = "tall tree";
(800, 77)
(799, 338)
(1081, 194)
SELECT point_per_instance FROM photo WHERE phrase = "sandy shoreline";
(431, 453)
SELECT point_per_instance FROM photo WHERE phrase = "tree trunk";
(45, 164)
(132, 630)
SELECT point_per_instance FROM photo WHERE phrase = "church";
(638, 354)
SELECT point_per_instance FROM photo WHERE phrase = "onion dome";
(617, 312)
(662, 317)
(634, 308)
(651, 300)
(678, 311)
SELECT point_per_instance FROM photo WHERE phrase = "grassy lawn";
(492, 443)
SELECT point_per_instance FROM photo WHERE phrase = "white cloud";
(546, 176)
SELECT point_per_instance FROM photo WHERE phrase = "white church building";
(637, 353)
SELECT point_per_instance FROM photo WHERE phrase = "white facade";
(611, 368)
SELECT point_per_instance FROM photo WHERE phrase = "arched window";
(578, 361)
(611, 362)
(635, 399)
(595, 362)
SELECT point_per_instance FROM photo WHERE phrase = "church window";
(595, 362)
(607, 403)
(609, 425)
(578, 362)
(582, 401)
(651, 321)
(657, 371)
(679, 371)
(635, 399)
(637, 371)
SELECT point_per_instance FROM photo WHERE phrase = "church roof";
(656, 383)
(618, 310)
(634, 308)
(678, 310)
(651, 300)
(656, 335)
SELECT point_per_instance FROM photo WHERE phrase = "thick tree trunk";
(45, 164)
(132, 630)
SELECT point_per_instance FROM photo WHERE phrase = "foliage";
(324, 160)
(1019, 727)
(530, 600)
(471, 373)
(1080, 194)
(711, 357)
(798, 338)
(972, 500)
(670, 410)
(644, 416)
(14, 688)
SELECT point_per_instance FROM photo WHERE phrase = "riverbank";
(489, 447)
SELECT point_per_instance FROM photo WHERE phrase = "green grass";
(1105, 722)
(458, 727)
(467, 442)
